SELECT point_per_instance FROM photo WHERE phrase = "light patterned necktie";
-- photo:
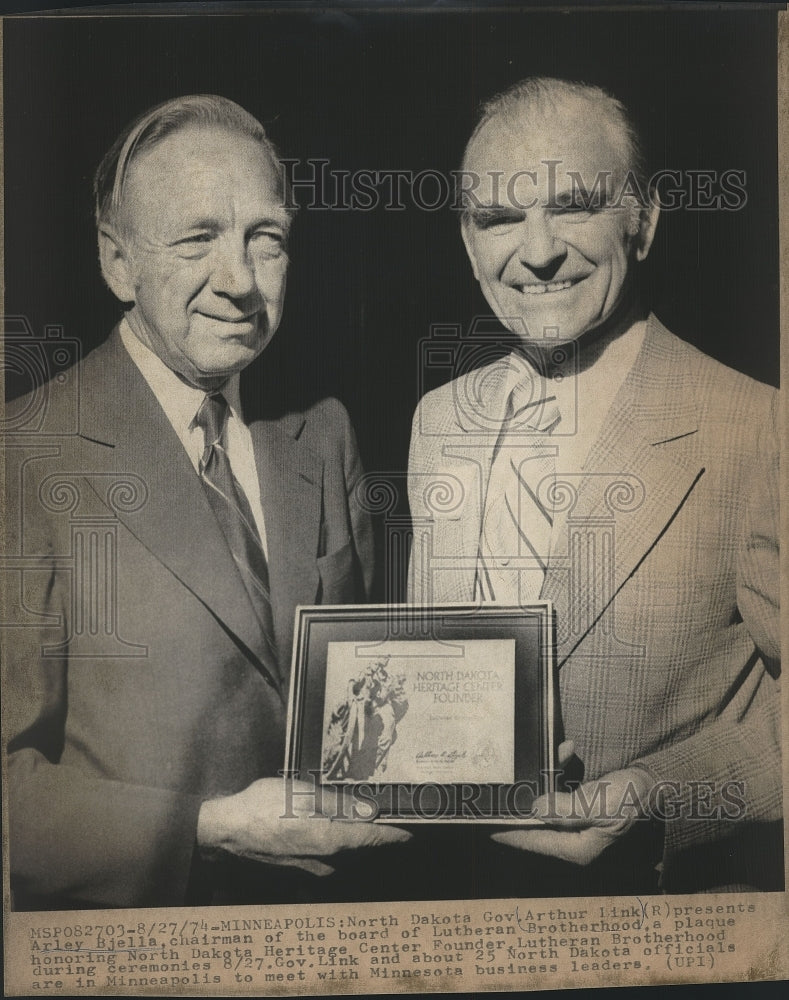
(231, 507)
(518, 519)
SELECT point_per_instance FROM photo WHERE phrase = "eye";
(194, 238)
(496, 219)
(193, 244)
(268, 241)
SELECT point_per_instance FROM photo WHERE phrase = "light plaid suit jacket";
(664, 578)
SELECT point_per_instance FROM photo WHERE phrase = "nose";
(539, 249)
(233, 274)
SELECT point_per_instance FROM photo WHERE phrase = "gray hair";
(154, 125)
(547, 95)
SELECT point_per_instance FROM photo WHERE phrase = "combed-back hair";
(154, 125)
(547, 95)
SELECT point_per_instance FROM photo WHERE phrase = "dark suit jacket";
(136, 685)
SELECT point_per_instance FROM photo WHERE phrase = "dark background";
(383, 90)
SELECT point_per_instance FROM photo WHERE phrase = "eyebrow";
(280, 217)
(198, 223)
(571, 197)
(492, 210)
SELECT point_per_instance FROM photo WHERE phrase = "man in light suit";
(166, 538)
(616, 471)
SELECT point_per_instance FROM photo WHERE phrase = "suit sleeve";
(76, 839)
(724, 781)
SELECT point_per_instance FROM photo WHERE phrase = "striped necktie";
(516, 532)
(231, 507)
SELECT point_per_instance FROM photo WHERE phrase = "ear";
(116, 265)
(465, 229)
(647, 224)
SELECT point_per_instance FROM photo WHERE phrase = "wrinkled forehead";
(534, 153)
(198, 169)
(203, 151)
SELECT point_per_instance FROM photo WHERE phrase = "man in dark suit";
(166, 544)
(616, 471)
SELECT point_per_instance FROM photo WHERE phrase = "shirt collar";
(592, 387)
(179, 400)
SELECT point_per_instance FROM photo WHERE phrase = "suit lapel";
(635, 480)
(467, 442)
(175, 523)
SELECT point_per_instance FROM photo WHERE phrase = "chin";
(562, 328)
(233, 356)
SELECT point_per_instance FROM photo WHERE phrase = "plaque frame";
(532, 628)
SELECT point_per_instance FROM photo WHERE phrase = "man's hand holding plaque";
(286, 823)
(581, 824)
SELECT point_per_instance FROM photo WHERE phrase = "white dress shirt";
(584, 394)
(181, 402)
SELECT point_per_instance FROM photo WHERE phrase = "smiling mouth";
(547, 287)
(234, 321)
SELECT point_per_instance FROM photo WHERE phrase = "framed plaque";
(425, 713)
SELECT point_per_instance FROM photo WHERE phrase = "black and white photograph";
(354, 306)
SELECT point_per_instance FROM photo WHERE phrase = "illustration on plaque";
(363, 728)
